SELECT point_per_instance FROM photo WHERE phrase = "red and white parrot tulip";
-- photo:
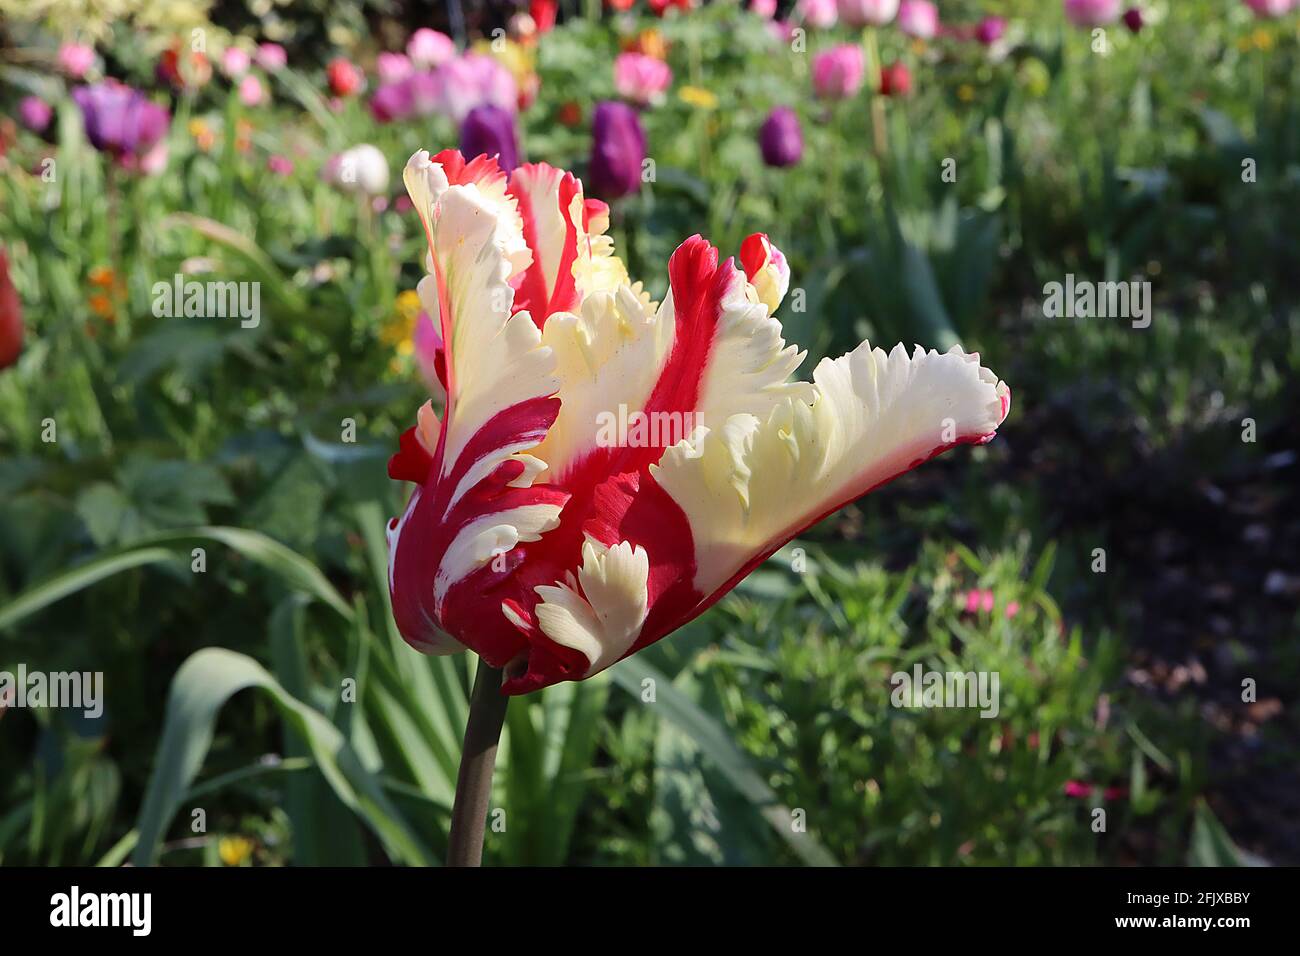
(549, 542)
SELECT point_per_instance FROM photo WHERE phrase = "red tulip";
(11, 317)
(345, 78)
(607, 468)
(895, 80)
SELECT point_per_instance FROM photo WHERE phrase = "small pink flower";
(867, 13)
(75, 59)
(1013, 609)
(990, 30)
(1092, 13)
(280, 165)
(429, 47)
(271, 57)
(763, 8)
(35, 113)
(837, 73)
(250, 91)
(640, 78)
(235, 62)
(818, 13)
(393, 67)
(1077, 789)
(1270, 8)
(918, 18)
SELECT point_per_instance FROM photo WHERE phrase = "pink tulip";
(35, 113)
(250, 91)
(640, 78)
(867, 13)
(918, 18)
(763, 8)
(1271, 8)
(430, 48)
(837, 73)
(75, 59)
(818, 13)
(1092, 13)
(235, 62)
(393, 67)
(271, 57)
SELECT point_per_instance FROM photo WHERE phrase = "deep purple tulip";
(35, 113)
(490, 131)
(618, 148)
(780, 138)
(1133, 19)
(122, 122)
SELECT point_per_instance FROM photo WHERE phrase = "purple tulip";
(489, 130)
(123, 122)
(392, 101)
(780, 138)
(618, 149)
(35, 113)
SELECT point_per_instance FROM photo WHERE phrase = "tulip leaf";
(711, 737)
(204, 683)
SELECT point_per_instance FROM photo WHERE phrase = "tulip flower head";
(918, 18)
(838, 73)
(271, 57)
(763, 8)
(1092, 13)
(361, 169)
(867, 13)
(35, 113)
(11, 317)
(618, 148)
(251, 91)
(235, 62)
(489, 130)
(895, 80)
(393, 67)
(1133, 20)
(1267, 9)
(429, 48)
(990, 30)
(818, 13)
(640, 78)
(780, 139)
(124, 123)
(76, 59)
(345, 77)
(606, 468)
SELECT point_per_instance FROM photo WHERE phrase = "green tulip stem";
(478, 758)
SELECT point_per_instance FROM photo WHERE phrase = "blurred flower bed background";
(1124, 555)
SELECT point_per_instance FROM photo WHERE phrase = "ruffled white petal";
(753, 483)
(601, 612)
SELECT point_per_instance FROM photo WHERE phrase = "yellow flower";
(1262, 39)
(234, 850)
(651, 43)
(202, 133)
(698, 97)
(399, 331)
(965, 92)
